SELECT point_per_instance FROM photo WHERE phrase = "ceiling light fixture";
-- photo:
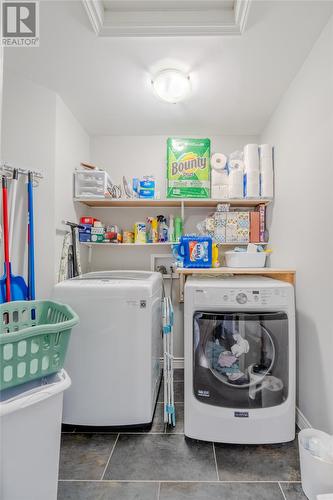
(172, 85)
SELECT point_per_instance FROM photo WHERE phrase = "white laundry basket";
(317, 473)
(30, 428)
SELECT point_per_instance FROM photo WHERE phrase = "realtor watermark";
(19, 23)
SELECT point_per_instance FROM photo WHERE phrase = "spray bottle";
(162, 229)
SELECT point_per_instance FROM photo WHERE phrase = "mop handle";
(5, 235)
(31, 243)
(12, 209)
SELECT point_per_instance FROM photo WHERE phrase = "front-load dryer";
(239, 360)
(114, 352)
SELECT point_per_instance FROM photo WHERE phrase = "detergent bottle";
(195, 251)
(215, 256)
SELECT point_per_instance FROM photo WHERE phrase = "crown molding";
(95, 12)
(128, 24)
(242, 8)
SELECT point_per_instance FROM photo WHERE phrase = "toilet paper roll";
(218, 161)
(252, 184)
(251, 157)
(220, 192)
(236, 189)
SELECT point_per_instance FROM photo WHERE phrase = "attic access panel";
(110, 18)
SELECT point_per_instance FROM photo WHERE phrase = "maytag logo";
(241, 414)
(204, 393)
(20, 24)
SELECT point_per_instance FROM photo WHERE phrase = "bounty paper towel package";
(188, 168)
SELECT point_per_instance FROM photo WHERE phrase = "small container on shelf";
(128, 237)
(91, 184)
(245, 259)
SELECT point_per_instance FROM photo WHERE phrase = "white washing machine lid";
(115, 280)
(118, 275)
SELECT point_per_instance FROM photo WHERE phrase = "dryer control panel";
(241, 296)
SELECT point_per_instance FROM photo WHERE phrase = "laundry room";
(166, 177)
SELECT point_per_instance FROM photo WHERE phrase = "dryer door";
(240, 360)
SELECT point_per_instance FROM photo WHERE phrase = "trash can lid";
(19, 397)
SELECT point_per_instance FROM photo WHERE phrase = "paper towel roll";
(219, 176)
(220, 192)
(266, 171)
(265, 150)
(266, 164)
(218, 161)
(252, 184)
(236, 183)
(267, 184)
(251, 158)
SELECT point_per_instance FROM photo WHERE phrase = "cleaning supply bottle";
(178, 228)
(215, 256)
(140, 232)
(162, 229)
(171, 231)
(154, 230)
(149, 229)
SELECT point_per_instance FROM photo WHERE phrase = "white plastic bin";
(245, 259)
(317, 473)
(91, 183)
(30, 429)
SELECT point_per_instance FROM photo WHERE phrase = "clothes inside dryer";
(240, 359)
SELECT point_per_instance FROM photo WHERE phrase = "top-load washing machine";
(114, 353)
(239, 360)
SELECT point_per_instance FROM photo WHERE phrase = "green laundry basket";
(34, 336)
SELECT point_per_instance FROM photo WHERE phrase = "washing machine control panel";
(242, 296)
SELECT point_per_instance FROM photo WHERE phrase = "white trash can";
(30, 429)
(316, 463)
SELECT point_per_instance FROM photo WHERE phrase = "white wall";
(135, 156)
(141, 155)
(28, 131)
(71, 147)
(301, 231)
(39, 132)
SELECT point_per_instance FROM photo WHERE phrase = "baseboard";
(178, 363)
(301, 420)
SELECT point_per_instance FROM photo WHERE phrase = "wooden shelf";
(287, 275)
(235, 270)
(137, 202)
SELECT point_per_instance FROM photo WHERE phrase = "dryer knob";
(241, 298)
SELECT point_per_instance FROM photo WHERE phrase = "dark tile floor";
(163, 465)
